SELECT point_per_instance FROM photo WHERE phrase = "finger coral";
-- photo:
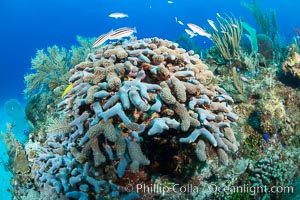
(137, 89)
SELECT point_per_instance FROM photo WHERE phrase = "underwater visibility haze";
(150, 99)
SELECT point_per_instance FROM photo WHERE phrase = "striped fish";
(121, 33)
(198, 30)
(102, 39)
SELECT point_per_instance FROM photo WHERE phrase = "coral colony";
(119, 94)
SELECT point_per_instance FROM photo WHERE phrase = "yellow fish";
(67, 90)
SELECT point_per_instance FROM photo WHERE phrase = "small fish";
(266, 137)
(244, 79)
(218, 15)
(26, 132)
(234, 25)
(101, 39)
(180, 22)
(121, 33)
(170, 2)
(298, 36)
(190, 33)
(223, 29)
(118, 15)
(198, 30)
(67, 90)
(212, 24)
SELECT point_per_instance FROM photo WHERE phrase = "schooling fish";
(118, 15)
(198, 30)
(121, 33)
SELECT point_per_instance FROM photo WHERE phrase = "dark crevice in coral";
(254, 120)
(169, 158)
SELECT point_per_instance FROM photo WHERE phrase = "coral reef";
(17, 163)
(265, 46)
(275, 169)
(267, 125)
(122, 94)
(252, 146)
(185, 42)
(291, 66)
(15, 112)
(227, 38)
(50, 70)
(273, 115)
(149, 112)
(9, 141)
(49, 77)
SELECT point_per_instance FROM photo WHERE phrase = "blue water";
(34, 24)
(27, 26)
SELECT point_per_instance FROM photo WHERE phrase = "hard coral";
(265, 46)
(291, 66)
(106, 128)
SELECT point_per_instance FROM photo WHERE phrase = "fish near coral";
(101, 39)
(67, 90)
(121, 33)
(266, 137)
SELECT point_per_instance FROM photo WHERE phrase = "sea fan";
(58, 126)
